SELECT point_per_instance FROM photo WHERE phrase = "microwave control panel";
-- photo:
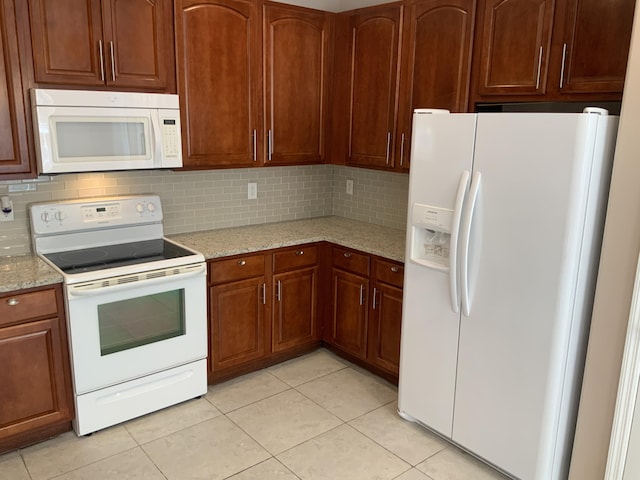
(170, 137)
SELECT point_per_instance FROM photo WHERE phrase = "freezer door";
(518, 346)
(442, 150)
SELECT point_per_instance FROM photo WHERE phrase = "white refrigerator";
(505, 220)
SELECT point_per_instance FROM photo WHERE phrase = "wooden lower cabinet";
(270, 306)
(366, 310)
(263, 308)
(237, 311)
(36, 392)
(295, 298)
(348, 326)
(386, 316)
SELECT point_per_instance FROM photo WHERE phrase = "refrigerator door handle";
(467, 222)
(453, 245)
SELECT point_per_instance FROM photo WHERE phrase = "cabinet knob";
(300, 252)
(242, 262)
(347, 254)
(12, 302)
(394, 269)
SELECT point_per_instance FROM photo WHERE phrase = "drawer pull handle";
(347, 254)
(242, 263)
(12, 302)
(300, 252)
(394, 269)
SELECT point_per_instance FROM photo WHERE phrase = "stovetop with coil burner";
(114, 256)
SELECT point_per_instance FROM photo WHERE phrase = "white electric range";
(136, 306)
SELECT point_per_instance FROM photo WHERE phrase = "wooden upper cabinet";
(219, 82)
(373, 83)
(515, 42)
(14, 110)
(139, 42)
(595, 45)
(113, 43)
(437, 44)
(296, 50)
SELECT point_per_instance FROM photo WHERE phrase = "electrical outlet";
(252, 190)
(349, 187)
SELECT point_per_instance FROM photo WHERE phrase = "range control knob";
(151, 207)
(45, 217)
(139, 208)
(60, 215)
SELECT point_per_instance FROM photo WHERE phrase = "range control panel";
(94, 213)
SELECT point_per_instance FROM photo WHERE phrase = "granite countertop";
(383, 241)
(25, 271)
(29, 271)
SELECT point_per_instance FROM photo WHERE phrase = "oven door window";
(139, 321)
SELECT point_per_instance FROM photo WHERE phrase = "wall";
(205, 200)
(615, 285)
(378, 197)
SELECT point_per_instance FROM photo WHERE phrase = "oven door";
(126, 327)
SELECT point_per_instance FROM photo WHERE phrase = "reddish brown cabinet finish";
(296, 58)
(15, 157)
(350, 313)
(219, 82)
(295, 298)
(595, 45)
(237, 311)
(373, 85)
(35, 378)
(436, 65)
(113, 43)
(515, 41)
(551, 50)
(386, 316)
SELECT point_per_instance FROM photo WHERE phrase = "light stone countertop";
(25, 271)
(29, 271)
(374, 239)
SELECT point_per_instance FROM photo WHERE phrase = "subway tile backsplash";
(211, 199)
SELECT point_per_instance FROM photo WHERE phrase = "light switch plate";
(349, 187)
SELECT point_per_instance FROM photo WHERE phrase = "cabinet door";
(384, 334)
(595, 45)
(68, 46)
(438, 37)
(296, 45)
(14, 111)
(294, 308)
(515, 39)
(373, 86)
(33, 390)
(137, 40)
(219, 81)
(237, 312)
(350, 313)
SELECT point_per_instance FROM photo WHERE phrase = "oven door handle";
(99, 287)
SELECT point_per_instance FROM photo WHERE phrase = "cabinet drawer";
(302, 256)
(23, 306)
(349, 260)
(389, 272)
(236, 268)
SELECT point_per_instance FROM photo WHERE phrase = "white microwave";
(95, 131)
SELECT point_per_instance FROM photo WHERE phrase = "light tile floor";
(316, 417)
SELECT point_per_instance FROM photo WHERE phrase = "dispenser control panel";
(433, 218)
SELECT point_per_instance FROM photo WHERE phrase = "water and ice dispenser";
(431, 236)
